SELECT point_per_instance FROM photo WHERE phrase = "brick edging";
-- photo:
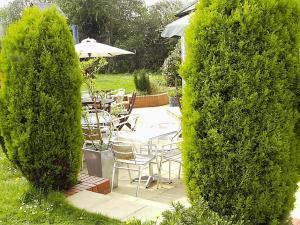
(90, 183)
(151, 100)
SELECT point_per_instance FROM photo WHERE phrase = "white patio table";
(147, 137)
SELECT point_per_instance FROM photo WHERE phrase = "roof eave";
(183, 11)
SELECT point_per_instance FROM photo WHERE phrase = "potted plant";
(174, 97)
(97, 152)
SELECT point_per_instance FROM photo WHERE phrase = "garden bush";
(142, 82)
(198, 214)
(41, 105)
(170, 68)
(240, 108)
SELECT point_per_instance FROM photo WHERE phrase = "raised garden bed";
(151, 100)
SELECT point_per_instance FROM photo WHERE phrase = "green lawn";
(125, 80)
(114, 81)
(19, 204)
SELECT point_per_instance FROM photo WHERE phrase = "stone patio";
(151, 202)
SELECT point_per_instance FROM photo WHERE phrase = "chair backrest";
(119, 96)
(116, 91)
(131, 102)
(123, 151)
(171, 150)
(90, 133)
(91, 118)
(91, 104)
(90, 124)
(165, 139)
(104, 116)
(100, 94)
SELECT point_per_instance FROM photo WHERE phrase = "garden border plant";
(170, 68)
(41, 101)
(240, 108)
(142, 82)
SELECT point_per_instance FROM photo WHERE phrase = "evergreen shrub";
(198, 214)
(142, 82)
(240, 107)
(41, 102)
(171, 66)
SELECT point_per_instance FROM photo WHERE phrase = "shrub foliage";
(199, 213)
(41, 107)
(239, 112)
(142, 82)
(171, 66)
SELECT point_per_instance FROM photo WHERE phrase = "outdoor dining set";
(108, 122)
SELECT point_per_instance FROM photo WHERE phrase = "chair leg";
(159, 165)
(120, 127)
(128, 125)
(123, 120)
(113, 177)
(140, 177)
(170, 172)
(134, 125)
(129, 173)
(179, 173)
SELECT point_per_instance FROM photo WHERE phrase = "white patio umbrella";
(91, 48)
(176, 28)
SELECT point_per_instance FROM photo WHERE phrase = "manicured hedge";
(240, 107)
(41, 106)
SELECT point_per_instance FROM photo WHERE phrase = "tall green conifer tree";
(40, 101)
(240, 107)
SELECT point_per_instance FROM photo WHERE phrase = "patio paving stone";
(151, 202)
(118, 206)
(149, 213)
(86, 199)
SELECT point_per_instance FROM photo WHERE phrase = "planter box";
(100, 164)
(151, 100)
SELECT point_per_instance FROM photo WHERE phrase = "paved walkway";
(123, 206)
(151, 202)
